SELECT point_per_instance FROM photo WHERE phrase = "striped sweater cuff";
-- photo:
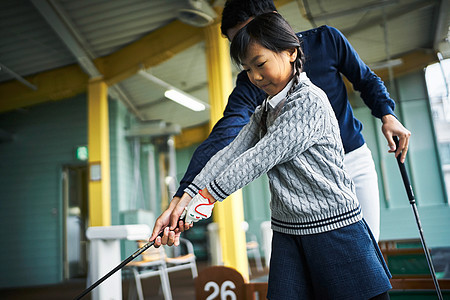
(216, 191)
(192, 190)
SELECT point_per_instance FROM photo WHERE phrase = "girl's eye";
(261, 64)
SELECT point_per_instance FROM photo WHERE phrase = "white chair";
(215, 248)
(156, 262)
(252, 246)
(266, 233)
(181, 261)
(153, 263)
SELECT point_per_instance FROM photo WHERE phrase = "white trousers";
(361, 168)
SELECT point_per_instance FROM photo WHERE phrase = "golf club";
(120, 266)
(412, 201)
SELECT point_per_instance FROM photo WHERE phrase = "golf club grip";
(404, 174)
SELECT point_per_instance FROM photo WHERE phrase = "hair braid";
(263, 121)
(298, 67)
(272, 32)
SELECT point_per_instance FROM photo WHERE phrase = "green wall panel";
(126, 195)
(121, 160)
(45, 138)
(423, 157)
(397, 218)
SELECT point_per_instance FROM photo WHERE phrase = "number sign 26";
(223, 292)
(219, 283)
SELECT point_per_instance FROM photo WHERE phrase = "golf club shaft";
(120, 266)
(412, 201)
(427, 254)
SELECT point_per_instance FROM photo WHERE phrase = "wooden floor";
(181, 282)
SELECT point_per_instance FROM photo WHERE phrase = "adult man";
(328, 55)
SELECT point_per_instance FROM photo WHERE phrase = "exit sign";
(82, 153)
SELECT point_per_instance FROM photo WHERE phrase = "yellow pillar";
(230, 213)
(99, 163)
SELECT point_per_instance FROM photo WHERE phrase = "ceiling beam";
(441, 24)
(399, 12)
(65, 82)
(153, 49)
(116, 91)
(191, 136)
(279, 3)
(411, 62)
(58, 20)
(350, 11)
(5, 69)
(55, 84)
(61, 24)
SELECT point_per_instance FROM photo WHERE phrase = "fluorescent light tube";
(175, 94)
(184, 99)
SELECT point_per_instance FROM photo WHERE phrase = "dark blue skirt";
(345, 263)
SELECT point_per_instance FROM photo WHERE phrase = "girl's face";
(270, 71)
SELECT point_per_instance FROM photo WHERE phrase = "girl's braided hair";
(273, 32)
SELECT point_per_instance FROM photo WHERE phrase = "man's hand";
(392, 127)
(170, 237)
(199, 208)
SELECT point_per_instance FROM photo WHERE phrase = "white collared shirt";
(273, 101)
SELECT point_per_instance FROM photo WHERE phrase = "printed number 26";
(222, 290)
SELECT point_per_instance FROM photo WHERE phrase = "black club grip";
(406, 182)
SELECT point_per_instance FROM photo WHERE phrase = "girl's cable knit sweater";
(301, 153)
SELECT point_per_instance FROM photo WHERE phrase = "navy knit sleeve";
(372, 89)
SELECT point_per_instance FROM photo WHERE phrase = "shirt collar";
(273, 101)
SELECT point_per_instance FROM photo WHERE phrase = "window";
(438, 84)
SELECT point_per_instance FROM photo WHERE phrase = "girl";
(321, 247)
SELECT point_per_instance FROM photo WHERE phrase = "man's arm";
(373, 92)
(372, 89)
